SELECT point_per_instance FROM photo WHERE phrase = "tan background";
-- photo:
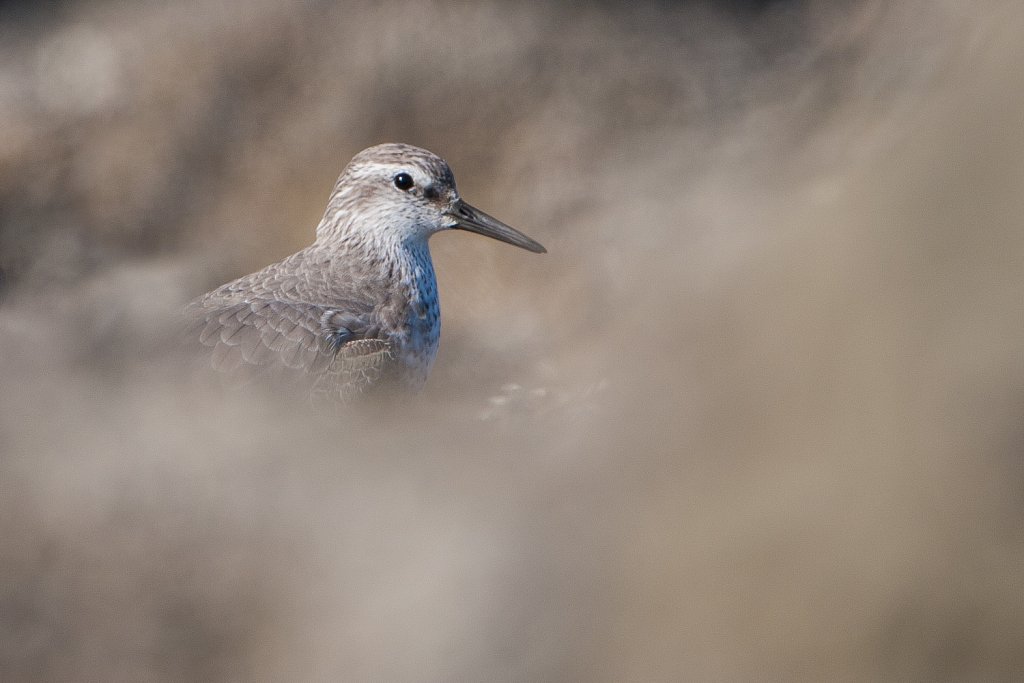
(756, 416)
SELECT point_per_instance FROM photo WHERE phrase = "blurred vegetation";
(755, 416)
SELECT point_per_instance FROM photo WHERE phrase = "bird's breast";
(421, 329)
(417, 346)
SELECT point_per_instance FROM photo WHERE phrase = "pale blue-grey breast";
(422, 331)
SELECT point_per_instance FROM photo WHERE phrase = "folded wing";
(337, 349)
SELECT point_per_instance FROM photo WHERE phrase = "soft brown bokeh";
(756, 416)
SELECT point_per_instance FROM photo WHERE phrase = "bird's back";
(329, 323)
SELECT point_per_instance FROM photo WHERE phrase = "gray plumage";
(359, 306)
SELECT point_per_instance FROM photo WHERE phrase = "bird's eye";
(403, 181)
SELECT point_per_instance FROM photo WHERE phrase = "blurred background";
(756, 416)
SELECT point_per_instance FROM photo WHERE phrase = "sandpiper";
(359, 306)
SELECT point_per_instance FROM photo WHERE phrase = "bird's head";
(403, 194)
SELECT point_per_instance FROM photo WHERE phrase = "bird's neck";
(403, 262)
(416, 271)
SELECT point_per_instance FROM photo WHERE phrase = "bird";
(358, 308)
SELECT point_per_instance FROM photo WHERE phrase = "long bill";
(474, 220)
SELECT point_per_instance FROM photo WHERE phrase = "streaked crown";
(397, 195)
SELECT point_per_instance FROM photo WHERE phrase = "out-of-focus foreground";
(757, 414)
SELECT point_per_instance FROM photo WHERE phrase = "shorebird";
(359, 306)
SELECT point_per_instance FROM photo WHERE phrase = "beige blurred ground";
(756, 416)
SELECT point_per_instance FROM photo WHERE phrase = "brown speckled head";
(397, 192)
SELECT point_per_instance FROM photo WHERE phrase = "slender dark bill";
(474, 220)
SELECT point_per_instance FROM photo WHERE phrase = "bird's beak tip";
(474, 220)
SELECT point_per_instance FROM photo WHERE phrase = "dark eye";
(403, 181)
